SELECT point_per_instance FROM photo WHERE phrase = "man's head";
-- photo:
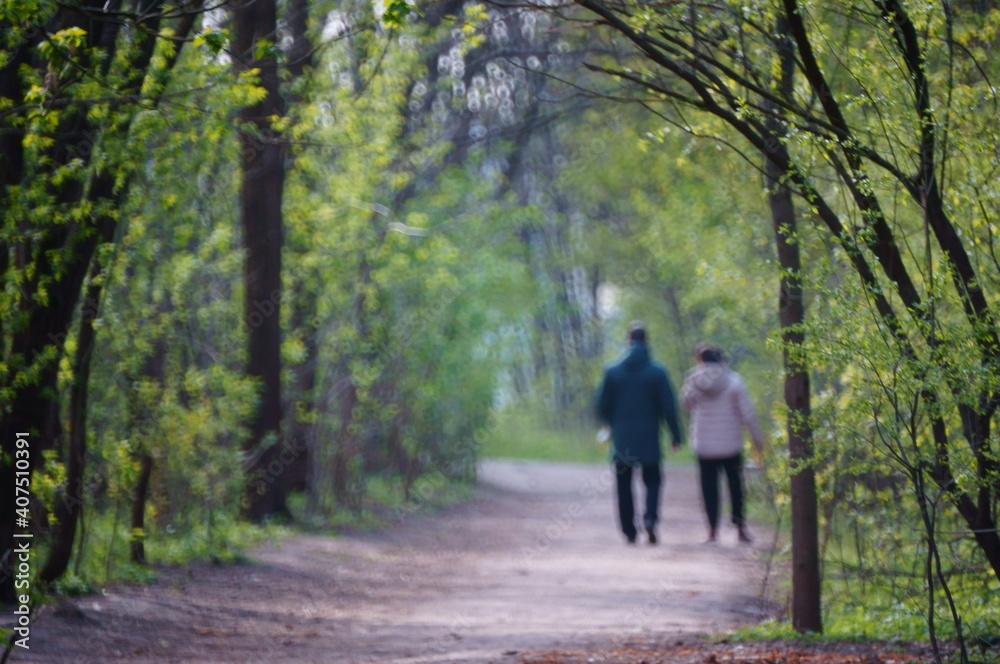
(637, 332)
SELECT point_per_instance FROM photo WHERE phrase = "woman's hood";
(710, 378)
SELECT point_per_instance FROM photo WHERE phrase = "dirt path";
(533, 562)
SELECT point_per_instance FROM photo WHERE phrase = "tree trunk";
(345, 450)
(303, 406)
(154, 368)
(806, 587)
(806, 582)
(300, 54)
(137, 537)
(262, 161)
(70, 503)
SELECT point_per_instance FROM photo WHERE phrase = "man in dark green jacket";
(634, 398)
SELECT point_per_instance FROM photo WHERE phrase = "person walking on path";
(634, 398)
(720, 410)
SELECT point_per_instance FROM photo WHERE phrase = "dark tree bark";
(806, 581)
(345, 450)
(70, 503)
(300, 54)
(301, 405)
(137, 539)
(262, 161)
(154, 369)
(303, 409)
(32, 411)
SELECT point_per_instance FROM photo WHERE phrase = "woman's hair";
(709, 353)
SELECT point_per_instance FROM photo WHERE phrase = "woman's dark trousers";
(626, 510)
(710, 468)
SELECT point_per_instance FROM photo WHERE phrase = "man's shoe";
(744, 536)
(652, 534)
(631, 539)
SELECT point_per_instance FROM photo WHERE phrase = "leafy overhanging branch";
(712, 94)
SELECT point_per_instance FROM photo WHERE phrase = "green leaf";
(395, 13)
(63, 43)
(265, 49)
(214, 39)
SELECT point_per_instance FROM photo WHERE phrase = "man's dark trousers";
(626, 509)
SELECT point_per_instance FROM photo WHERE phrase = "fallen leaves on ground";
(701, 652)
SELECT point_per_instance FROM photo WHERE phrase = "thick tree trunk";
(262, 161)
(806, 582)
(806, 587)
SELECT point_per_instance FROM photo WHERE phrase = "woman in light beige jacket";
(720, 410)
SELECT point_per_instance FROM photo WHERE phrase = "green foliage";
(222, 539)
(526, 434)
(395, 13)
(399, 295)
(212, 38)
(167, 381)
(265, 49)
(884, 614)
(225, 539)
(386, 503)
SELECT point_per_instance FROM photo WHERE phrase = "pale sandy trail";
(533, 562)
